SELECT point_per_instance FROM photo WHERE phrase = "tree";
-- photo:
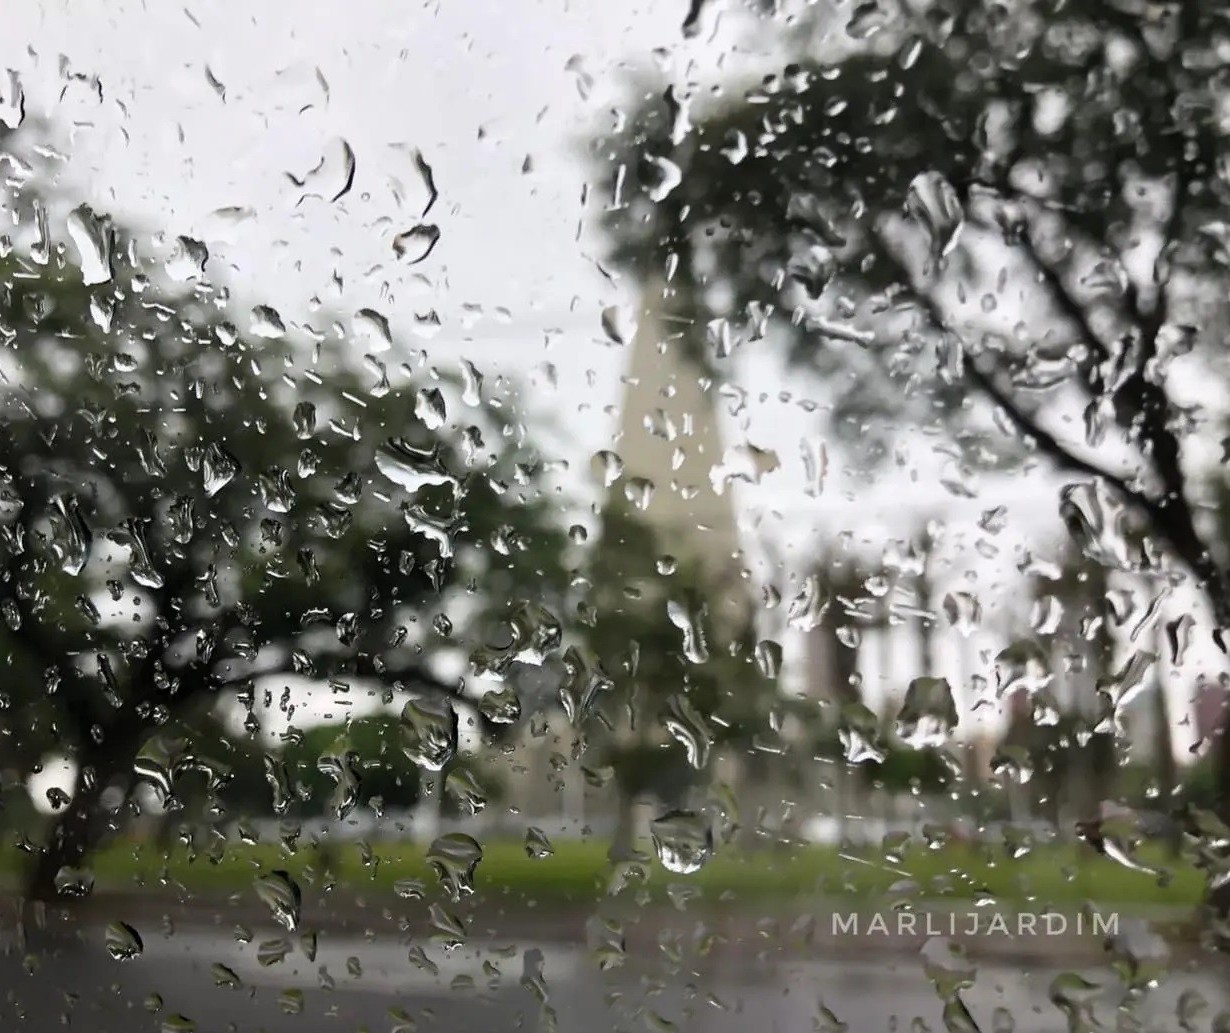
(673, 679)
(1003, 219)
(195, 511)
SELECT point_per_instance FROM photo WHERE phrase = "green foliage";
(194, 509)
(651, 683)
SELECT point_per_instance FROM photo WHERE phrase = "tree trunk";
(82, 824)
(73, 834)
(623, 841)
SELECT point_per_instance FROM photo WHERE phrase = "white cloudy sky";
(479, 87)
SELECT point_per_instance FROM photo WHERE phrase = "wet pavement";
(205, 979)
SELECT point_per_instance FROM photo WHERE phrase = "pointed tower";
(669, 441)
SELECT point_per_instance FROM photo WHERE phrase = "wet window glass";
(658, 516)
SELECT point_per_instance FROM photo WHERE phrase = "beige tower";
(669, 437)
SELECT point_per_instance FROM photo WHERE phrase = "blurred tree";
(1002, 219)
(673, 681)
(192, 512)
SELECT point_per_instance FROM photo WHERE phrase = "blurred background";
(588, 474)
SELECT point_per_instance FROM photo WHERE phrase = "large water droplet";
(1022, 665)
(411, 467)
(858, 733)
(689, 729)
(218, 468)
(963, 611)
(12, 100)
(70, 535)
(429, 406)
(807, 609)
(429, 731)
(1096, 520)
(417, 243)
(662, 177)
(371, 328)
(454, 858)
(267, 323)
(187, 260)
(281, 894)
(537, 845)
(331, 178)
(690, 622)
(501, 707)
(339, 765)
(929, 713)
(933, 203)
(124, 942)
(95, 241)
(683, 841)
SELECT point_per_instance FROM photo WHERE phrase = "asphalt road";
(368, 982)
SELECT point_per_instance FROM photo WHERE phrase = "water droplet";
(372, 330)
(339, 765)
(1022, 665)
(639, 491)
(219, 468)
(689, 729)
(501, 707)
(417, 243)
(267, 323)
(537, 845)
(734, 146)
(304, 419)
(807, 609)
(429, 407)
(963, 611)
(858, 733)
(662, 177)
(471, 383)
(606, 942)
(463, 788)
(224, 976)
(933, 203)
(609, 465)
(683, 841)
(12, 101)
(615, 325)
(768, 657)
(74, 882)
(411, 467)
(331, 178)
(277, 492)
(1096, 522)
(454, 858)
(131, 534)
(187, 260)
(70, 535)
(690, 622)
(273, 952)
(747, 463)
(1191, 1008)
(947, 966)
(95, 241)
(281, 894)
(429, 731)
(929, 713)
(178, 1024)
(1012, 762)
(867, 19)
(123, 942)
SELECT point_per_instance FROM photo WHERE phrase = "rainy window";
(638, 517)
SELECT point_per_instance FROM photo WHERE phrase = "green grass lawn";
(579, 871)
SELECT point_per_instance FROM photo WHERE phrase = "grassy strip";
(579, 871)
